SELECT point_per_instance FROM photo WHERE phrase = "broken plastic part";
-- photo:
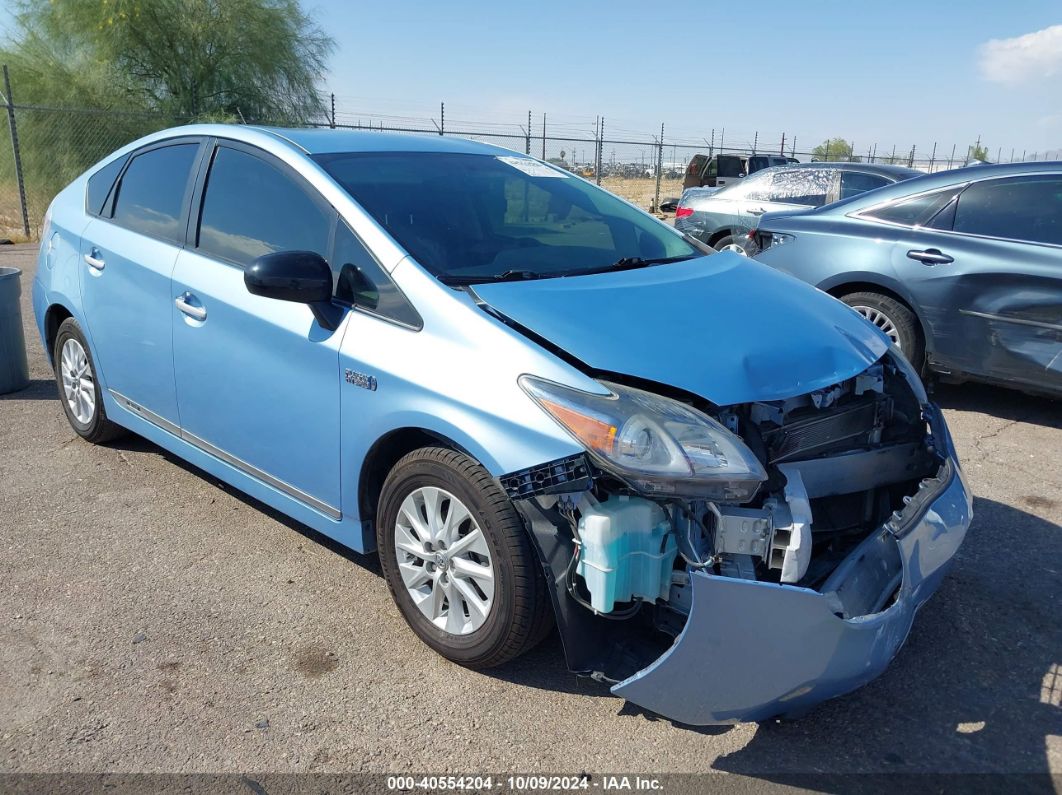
(791, 543)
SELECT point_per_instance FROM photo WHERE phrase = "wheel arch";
(844, 287)
(54, 316)
(385, 452)
(718, 235)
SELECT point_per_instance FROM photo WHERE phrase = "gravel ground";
(151, 619)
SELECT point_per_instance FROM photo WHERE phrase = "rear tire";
(895, 319)
(79, 388)
(422, 505)
(729, 243)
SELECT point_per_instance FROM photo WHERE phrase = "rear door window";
(153, 192)
(1019, 208)
(252, 207)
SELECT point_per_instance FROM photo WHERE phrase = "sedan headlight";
(655, 444)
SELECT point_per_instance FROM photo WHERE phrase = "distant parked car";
(722, 218)
(962, 269)
(715, 172)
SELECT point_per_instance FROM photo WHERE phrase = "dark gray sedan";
(723, 217)
(962, 270)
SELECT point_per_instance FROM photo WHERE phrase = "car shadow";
(38, 389)
(1006, 404)
(976, 689)
(138, 444)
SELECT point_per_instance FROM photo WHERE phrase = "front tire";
(79, 388)
(458, 561)
(895, 320)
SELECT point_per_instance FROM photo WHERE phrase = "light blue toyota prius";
(537, 403)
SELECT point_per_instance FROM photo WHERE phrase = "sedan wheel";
(895, 320)
(444, 560)
(882, 321)
(79, 387)
(458, 560)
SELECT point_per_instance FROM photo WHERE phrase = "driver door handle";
(194, 312)
(931, 256)
(757, 211)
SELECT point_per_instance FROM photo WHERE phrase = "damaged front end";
(783, 569)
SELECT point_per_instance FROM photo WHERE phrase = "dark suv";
(705, 171)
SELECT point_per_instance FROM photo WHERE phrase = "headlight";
(656, 444)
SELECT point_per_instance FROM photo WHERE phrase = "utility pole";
(10, 102)
(659, 168)
(600, 146)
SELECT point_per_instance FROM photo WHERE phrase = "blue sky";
(890, 73)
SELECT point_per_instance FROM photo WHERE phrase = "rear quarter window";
(100, 184)
(913, 211)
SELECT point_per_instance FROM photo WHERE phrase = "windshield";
(481, 217)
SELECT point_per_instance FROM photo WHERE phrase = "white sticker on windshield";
(531, 167)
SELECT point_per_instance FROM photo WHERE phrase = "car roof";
(316, 141)
(940, 179)
(885, 170)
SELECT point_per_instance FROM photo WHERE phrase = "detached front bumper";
(752, 650)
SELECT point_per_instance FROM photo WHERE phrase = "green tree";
(978, 152)
(834, 149)
(255, 60)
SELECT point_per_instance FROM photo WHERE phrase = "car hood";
(724, 327)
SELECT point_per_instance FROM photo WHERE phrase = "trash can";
(14, 370)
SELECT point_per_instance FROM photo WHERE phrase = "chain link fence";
(52, 146)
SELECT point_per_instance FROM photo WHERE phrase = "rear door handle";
(94, 260)
(931, 256)
(194, 312)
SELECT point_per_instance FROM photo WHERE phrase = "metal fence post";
(527, 138)
(543, 136)
(10, 102)
(659, 168)
(333, 120)
(442, 118)
(600, 146)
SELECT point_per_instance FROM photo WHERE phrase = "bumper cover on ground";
(752, 650)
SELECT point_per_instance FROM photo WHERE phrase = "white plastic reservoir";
(628, 550)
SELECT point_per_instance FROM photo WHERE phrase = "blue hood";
(724, 327)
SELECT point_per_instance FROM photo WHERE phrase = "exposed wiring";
(695, 561)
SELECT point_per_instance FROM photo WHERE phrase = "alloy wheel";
(79, 387)
(882, 321)
(444, 560)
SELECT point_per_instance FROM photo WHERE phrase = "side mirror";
(299, 276)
